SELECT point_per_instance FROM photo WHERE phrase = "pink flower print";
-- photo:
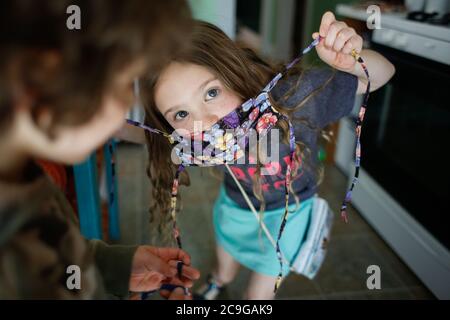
(266, 121)
(252, 116)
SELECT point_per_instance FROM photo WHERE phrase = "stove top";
(431, 18)
(429, 27)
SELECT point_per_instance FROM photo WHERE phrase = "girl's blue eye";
(180, 115)
(211, 94)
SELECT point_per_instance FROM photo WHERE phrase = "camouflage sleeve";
(114, 264)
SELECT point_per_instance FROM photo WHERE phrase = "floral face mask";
(226, 140)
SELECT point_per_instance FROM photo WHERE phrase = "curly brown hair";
(243, 72)
(114, 35)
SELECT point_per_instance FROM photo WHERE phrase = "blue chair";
(87, 190)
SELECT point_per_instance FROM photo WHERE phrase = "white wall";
(222, 13)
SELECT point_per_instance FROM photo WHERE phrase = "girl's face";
(186, 93)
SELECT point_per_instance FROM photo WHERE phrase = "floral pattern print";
(266, 122)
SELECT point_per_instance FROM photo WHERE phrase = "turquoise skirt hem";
(239, 233)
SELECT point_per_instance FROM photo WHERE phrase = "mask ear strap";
(305, 51)
(175, 185)
(286, 208)
(274, 81)
(152, 130)
(254, 211)
(173, 205)
(359, 123)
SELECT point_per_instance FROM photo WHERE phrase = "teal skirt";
(239, 233)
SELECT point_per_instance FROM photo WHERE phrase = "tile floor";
(353, 247)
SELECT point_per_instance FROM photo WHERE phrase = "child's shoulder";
(321, 80)
(312, 78)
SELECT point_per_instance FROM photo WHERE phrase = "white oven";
(404, 185)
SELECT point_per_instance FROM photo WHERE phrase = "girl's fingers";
(191, 273)
(183, 256)
(135, 296)
(176, 294)
(184, 282)
(150, 282)
(348, 47)
(332, 33)
(315, 35)
(355, 42)
(327, 19)
(337, 35)
(173, 254)
(165, 293)
(342, 37)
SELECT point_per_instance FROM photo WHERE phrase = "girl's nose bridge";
(212, 118)
(206, 118)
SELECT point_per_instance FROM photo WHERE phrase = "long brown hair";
(243, 72)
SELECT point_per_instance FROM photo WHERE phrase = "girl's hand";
(339, 41)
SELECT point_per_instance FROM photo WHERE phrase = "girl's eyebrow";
(203, 85)
(200, 88)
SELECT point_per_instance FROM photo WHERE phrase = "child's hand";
(176, 294)
(339, 41)
(151, 267)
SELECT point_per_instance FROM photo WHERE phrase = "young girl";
(63, 93)
(207, 82)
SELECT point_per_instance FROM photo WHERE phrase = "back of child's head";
(68, 71)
